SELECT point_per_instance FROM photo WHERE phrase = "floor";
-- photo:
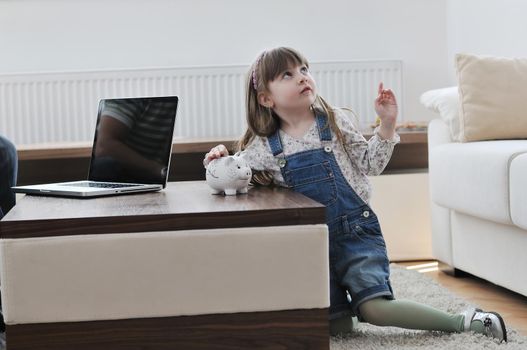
(512, 306)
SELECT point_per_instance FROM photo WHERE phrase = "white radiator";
(62, 106)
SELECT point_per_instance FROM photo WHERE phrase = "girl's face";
(293, 90)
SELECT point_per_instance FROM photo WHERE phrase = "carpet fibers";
(421, 288)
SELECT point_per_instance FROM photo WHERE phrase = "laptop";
(130, 153)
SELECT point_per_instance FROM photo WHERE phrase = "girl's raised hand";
(216, 152)
(386, 106)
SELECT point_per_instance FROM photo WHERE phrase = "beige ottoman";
(195, 287)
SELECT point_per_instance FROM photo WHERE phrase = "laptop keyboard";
(100, 185)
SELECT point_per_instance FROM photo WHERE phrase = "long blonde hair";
(263, 121)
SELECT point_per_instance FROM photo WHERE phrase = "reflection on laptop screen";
(133, 140)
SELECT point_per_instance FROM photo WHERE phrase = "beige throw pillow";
(493, 97)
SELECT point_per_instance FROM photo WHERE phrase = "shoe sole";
(502, 323)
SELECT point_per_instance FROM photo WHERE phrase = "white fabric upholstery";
(479, 206)
(490, 250)
(445, 102)
(159, 274)
(473, 178)
(518, 190)
(438, 133)
(441, 242)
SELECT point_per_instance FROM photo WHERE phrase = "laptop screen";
(133, 140)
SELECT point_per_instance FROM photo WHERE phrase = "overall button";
(281, 162)
(327, 149)
(366, 213)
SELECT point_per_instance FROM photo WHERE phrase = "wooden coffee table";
(181, 206)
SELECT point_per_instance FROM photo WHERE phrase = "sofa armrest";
(438, 133)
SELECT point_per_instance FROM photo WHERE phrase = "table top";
(181, 205)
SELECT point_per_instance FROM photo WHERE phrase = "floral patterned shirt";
(360, 159)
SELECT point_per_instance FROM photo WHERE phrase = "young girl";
(295, 139)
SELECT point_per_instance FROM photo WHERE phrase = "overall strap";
(275, 143)
(324, 131)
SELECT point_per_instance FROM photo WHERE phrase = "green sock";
(342, 325)
(409, 314)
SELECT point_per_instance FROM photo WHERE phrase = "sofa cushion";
(473, 178)
(518, 190)
(445, 102)
(492, 105)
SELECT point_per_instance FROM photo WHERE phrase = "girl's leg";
(409, 314)
(341, 325)
(412, 315)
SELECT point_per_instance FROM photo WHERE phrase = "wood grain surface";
(291, 329)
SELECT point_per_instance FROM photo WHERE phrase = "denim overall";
(357, 252)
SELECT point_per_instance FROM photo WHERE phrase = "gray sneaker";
(489, 323)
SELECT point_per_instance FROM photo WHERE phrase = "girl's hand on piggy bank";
(216, 152)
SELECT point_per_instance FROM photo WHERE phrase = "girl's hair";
(263, 121)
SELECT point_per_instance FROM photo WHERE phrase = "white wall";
(489, 27)
(58, 35)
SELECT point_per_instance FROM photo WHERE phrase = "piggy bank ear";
(229, 160)
(237, 154)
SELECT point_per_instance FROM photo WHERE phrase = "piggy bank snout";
(244, 172)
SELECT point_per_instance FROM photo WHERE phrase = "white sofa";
(479, 206)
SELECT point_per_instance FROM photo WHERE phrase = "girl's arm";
(371, 156)
(259, 157)
(386, 108)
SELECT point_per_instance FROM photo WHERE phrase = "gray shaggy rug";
(421, 288)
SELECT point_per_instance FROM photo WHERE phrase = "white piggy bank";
(230, 175)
